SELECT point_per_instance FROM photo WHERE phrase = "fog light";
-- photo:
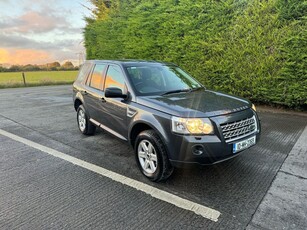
(198, 149)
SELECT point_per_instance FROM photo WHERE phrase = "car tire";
(151, 156)
(84, 124)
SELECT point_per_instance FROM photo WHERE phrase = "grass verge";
(19, 85)
(37, 78)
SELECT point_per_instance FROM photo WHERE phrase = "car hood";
(200, 103)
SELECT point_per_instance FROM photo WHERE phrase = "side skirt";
(108, 129)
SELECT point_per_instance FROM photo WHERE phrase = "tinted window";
(115, 78)
(97, 77)
(83, 73)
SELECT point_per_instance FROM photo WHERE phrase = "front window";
(115, 78)
(160, 79)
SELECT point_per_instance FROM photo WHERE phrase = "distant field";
(14, 79)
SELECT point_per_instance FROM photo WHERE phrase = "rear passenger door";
(93, 94)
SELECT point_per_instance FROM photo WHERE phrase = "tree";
(68, 65)
(30, 67)
(102, 9)
(53, 66)
(15, 68)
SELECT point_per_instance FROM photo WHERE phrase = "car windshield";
(160, 79)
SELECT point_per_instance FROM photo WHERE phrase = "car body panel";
(201, 103)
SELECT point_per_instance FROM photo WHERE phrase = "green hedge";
(252, 48)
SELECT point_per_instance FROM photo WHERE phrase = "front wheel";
(85, 126)
(151, 156)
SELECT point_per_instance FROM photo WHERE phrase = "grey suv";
(168, 117)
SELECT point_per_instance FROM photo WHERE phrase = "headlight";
(191, 125)
(254, 107)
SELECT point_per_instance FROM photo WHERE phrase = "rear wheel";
(151, 156)
(85, 126)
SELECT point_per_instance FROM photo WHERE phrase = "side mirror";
(114, 92)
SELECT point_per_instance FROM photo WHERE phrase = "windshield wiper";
(176, 91)
(195, 89)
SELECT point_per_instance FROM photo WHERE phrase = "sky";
(41, 31)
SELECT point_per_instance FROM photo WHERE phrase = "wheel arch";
(143, 125)
(78, 100)
(77, 103)
(166, 168)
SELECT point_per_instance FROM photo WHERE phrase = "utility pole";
(80, 57)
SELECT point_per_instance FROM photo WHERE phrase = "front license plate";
(244, 144)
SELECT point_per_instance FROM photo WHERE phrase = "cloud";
(21, 50)
(18, 41)
(24, 56)
(34, 22)
(37, 22)
(43, 28)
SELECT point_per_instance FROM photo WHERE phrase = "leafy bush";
(252, 48)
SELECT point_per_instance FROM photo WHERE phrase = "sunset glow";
(24, 56)
(37, 32)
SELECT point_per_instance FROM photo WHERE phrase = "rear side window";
(115, 78)
(97, 77)
(84, 71)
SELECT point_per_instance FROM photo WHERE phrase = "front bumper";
(208, 149)
(214, 150)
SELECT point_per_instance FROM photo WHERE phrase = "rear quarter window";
(83, 73)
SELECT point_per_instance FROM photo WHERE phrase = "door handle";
(103, 100)
(83, 92)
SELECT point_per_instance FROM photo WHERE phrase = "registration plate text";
(244, 144)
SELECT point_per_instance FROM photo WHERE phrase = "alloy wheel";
(147, 156)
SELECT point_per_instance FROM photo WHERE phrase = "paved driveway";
(39, 190)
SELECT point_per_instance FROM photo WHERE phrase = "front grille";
(238, 129)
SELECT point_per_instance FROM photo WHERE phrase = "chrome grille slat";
(238, 129)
